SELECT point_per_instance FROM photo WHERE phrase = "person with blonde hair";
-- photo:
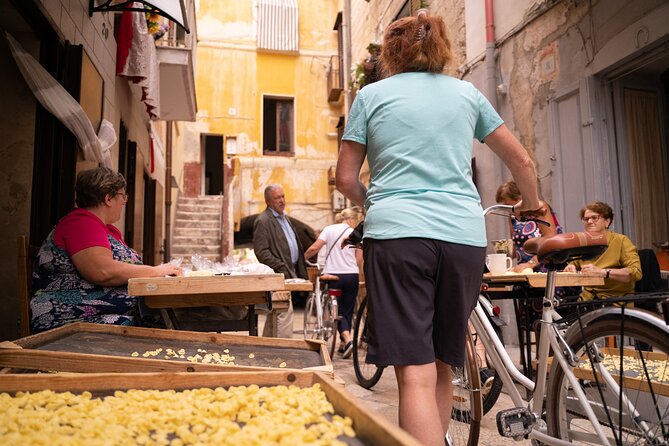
(343, 263)
(424, 233)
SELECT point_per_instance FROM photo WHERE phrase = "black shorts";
(420, 295)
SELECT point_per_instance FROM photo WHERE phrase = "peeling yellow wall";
(231, 79)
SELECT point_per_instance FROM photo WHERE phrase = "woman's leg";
(348, 283)
(419, 413)
(444, 393)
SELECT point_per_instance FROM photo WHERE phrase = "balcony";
(176, 59)
(335, 80)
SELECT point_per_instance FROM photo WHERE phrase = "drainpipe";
(490, 52)
(168, 193)
(346, 29)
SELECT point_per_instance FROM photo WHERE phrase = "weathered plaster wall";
(231, 79)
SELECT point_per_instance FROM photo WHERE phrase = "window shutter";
(278, 25)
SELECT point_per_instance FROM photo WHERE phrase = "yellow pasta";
(237, 415)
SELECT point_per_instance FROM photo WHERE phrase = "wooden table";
(523, 289)
(167, 293)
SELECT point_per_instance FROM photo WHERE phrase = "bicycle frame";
(509, 373)
(318, 301)
(549, 337)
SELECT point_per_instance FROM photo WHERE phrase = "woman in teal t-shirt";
(425, 241)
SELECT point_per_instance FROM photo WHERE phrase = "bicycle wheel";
(368, 374)
(639, 412)
(491, 382)
(310, 319)
(330, 315)
(467, 411)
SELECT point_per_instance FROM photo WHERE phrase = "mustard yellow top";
(621, 253)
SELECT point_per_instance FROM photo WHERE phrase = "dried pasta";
(249, 415)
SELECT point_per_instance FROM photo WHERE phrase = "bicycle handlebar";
(509, 211)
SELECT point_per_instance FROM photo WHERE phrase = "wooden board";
(83, 347)
(538, 280)
(299, 286)
(370, 429)
(165, 286)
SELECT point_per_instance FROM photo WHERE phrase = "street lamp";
(173, 10)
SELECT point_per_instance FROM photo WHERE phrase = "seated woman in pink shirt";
(83, 266)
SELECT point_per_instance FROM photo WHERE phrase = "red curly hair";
(418, 43)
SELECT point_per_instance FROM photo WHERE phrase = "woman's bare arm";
(96, 265)
(351, 157)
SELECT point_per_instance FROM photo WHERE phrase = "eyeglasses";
(124, 195)
(594, 218)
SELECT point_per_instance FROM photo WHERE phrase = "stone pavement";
(383, 398)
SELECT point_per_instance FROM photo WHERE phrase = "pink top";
(81, 229)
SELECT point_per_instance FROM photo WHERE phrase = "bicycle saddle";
(328, 278)
(565, 247)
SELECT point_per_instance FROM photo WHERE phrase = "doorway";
(212, 146)
(149, 226)
(639, 94)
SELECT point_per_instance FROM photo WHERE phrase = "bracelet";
(532, 262)
(608, 273)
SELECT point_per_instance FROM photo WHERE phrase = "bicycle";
(609, 371)
(367, 374)
(321, 311)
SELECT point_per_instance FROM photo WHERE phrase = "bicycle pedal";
(515, 423)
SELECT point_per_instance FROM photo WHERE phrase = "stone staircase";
(197, 227)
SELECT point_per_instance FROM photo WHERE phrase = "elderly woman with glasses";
(619, 265)
(83, 267)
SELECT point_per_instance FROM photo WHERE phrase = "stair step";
(208, 208)
(194, 240)
(208, 201)
(195, 249)
(198, 215)
(185, 258)
(203, 224)
(197, 232)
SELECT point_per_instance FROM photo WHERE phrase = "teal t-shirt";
(418, 129)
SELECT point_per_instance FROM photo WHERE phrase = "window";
(278, 25)
(277, 126)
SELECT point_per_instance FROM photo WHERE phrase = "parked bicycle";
(609, 367)
(321, 311)
(367, 374)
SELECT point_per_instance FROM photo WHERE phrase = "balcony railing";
(335, 80)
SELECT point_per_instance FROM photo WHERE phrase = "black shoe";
(348, 350)
(487, 377)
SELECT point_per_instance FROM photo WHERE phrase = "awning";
(278, 25)
(173, 10)
(64, 107)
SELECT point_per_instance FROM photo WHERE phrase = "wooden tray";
(91, 348)
(657, 363)
(538, 280)
(370, 429)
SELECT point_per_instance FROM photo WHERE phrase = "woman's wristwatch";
(608, 273)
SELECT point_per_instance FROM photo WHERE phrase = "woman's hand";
(592, 269)
(570, 268)
(168, 269)
(522, 266)
(532, 210)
